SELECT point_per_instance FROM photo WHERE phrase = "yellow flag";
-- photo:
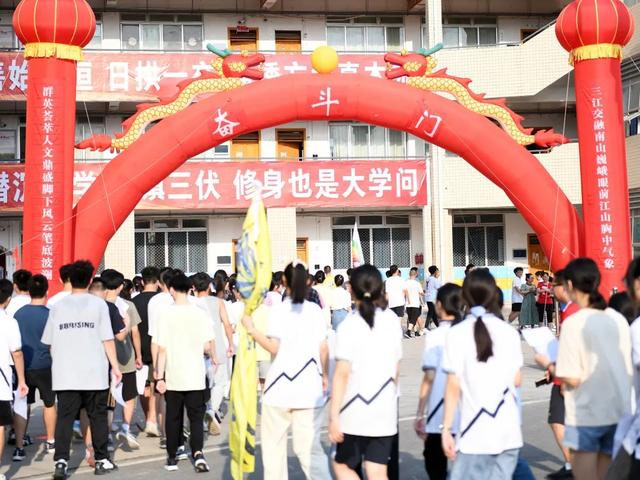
(254, 278)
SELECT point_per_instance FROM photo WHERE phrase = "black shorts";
(40, 379)
(373, 449)
(516, 307)
(6, 413)
(129, 386)
(556, 406)
(399, 311)
(413, 313)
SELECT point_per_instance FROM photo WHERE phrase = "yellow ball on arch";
(324, 59)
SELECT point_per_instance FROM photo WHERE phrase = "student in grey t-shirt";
(82, 348)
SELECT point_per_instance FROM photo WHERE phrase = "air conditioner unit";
(267, 4)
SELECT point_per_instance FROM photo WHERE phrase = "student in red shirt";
(556, 402)
(545, 299)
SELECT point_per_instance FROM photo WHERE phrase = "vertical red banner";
(603, 166)
(49, 165)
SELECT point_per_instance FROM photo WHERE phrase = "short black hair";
(64, 272)
(180, 283)
(393, 269)
(6, 290)
(518, 269)
(338, 280)
(201, 282)
(349, 272)
(327, 269)
(150, 275)
(319, 277)
(97, 285)
(81, 273)
(38, 286)
(413, 269)
(433, 269)
(277, 277)
(112, 279)
(166, 276)
(21, 279)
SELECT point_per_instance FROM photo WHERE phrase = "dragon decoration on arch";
(229, 70)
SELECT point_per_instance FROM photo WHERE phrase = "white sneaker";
(151, 429)
(128, 439)
(181, 453)
(212, 423)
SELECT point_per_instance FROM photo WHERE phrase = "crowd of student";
(169, 341)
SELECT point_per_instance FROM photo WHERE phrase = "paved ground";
(540, 449)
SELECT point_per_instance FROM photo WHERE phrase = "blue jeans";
(337, 316)
(484, 467)
(590, 439)
(523, 471)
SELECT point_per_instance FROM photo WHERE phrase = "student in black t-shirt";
(150, 280)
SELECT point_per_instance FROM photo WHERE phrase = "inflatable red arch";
(268, 103)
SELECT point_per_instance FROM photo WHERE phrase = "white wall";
(317, 229)
(516, 231)
(222, 231)
(509, 27)
(417, 237)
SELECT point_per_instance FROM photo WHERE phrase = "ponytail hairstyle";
(367, 285)
(479, 289)
(584, 276)
(450, 298)
(295, 276)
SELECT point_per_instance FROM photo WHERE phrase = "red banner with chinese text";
(603, 167)
(226, 185)
(146, 76)
(47, 239)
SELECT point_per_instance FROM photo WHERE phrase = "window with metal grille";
(478, 239)
(178, 243)
(382, 245)
(350, 140)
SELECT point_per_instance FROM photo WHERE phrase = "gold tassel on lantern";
(58, 50)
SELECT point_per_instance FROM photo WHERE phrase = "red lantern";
(54, 32)
(594, 32)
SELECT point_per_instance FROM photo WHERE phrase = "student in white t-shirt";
(449, 308)
(363, 418)
(21, 292)
(594, 357)
(396, 291)
(295, 389)
(482, 357)
(10, 353)
(64, 272)
(516, 295)
(415, 300)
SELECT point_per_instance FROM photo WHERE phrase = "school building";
(431, 207)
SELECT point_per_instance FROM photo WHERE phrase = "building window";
(365, 141)
(86, 127)
(8, 145)
(478, 239)
(161, 32)
(365, 34)
(8, 37)
(178, 243)
(635, 231)
(385, 240)
(469, 32)
(96, 40)
(243, 40)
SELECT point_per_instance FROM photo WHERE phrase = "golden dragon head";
(231, 65)
(411, 64)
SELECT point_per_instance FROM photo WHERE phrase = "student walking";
(82, 348)
(431, 399)
(31, 320)
(433, 284)
(184, 335)
(528, 310)
(594, 356)
(483, 358)
(340, 302)
(363, 419)
(415, 301)
(516, 294)
(296, 384)
(10, 353)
